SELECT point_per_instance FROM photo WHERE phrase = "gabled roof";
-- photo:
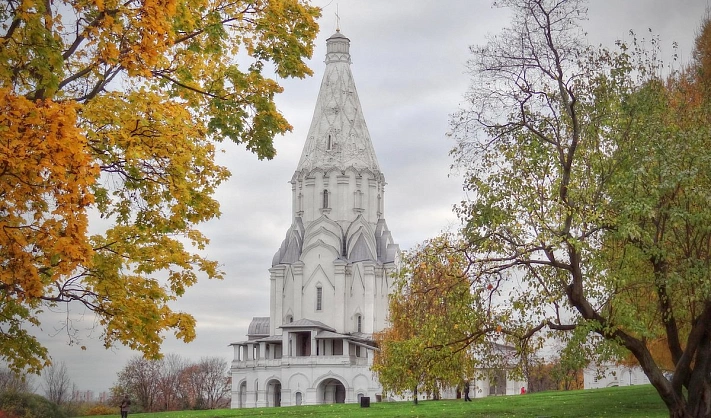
(307, 323)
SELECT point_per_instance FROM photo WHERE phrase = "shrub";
(28, 405)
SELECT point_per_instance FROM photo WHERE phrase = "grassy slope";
(635, 401)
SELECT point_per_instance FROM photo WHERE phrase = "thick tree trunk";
(696, 411)
(699, 403)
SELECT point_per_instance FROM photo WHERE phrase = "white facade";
(496, 383)
(331, 276)
(610, 375)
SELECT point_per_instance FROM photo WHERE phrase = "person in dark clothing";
(466, 391)
(125, 405)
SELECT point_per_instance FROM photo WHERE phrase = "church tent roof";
(338, 136)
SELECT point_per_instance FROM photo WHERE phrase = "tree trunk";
(698, 403)
(414, 395)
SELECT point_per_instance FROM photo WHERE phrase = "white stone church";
(331, 276)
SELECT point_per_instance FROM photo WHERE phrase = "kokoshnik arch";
(331, 276)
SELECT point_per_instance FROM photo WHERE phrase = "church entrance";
(497, 383)
(332, 391)
(273, 393)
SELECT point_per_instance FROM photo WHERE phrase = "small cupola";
(338, 48)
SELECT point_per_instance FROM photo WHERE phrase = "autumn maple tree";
(111, 110)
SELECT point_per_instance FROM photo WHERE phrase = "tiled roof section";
(259, 327)
(307, 323)
(338, 136)
(361, 336)
(270, 339)
(290, 249)
(330, 335)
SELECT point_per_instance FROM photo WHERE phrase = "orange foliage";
(45, 178)
(116, 107)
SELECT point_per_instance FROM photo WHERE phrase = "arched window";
(358, 199)
(328, 143)
(319, 298)
(289, 319)
(325, 198)
(359, 323)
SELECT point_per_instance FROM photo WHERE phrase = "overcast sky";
(409, 61)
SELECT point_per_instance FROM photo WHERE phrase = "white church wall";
(302, 379)
(609, 375)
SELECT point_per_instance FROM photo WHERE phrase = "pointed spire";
(338, 136)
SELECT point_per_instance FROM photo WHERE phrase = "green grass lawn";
(635, 401)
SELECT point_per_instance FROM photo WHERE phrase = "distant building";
(331, 277)
(104, 397)
(498, 381)
(610, 375)
(83, 396)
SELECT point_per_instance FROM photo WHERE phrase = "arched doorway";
(497, 382)
(332, 391)
(243, 394)
(274, 393)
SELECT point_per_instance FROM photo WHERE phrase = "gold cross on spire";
(338, 20)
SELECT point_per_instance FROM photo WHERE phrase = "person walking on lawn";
(125, 405)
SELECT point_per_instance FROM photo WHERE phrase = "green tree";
(427, 345)
(115, 108)
(588, 181)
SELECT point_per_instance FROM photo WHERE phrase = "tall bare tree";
(139, 379)
(57, 384)
(172, 365)
(216, 388)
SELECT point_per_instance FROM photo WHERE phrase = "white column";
(313, 342)
(298, 271)
(285, 344)
(276, 303)
(338, 309)
(369, 313)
